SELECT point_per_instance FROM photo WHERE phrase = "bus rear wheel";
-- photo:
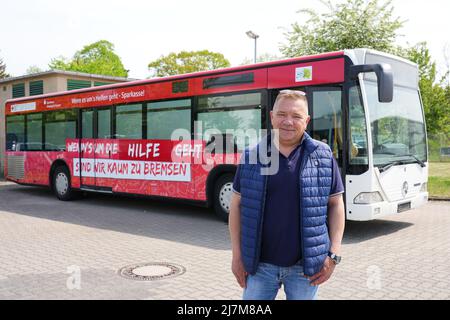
(223, 190)
(61, 184)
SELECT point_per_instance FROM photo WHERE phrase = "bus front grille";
(16, 167)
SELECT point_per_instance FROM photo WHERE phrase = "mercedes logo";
(404, 189)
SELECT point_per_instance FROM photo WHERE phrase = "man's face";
(290, 117)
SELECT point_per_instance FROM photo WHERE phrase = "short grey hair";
(291, 94)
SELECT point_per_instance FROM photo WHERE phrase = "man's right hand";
(239, 272)
(234, 224)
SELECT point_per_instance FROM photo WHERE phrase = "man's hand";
(239, 272)
(336, 222)
(234, 223)
(324, 274)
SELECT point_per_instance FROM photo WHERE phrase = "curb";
(438, 199)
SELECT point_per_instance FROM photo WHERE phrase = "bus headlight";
(368, 198)
(424, 187)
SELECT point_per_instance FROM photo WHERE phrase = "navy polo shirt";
(281, 239)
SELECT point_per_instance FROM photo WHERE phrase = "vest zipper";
(258, 248)
(258, 252)
(302, 165)
(302, 233)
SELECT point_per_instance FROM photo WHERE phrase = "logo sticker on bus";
(303, 74)
(23, 107)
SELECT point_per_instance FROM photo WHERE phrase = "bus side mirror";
(385, 79)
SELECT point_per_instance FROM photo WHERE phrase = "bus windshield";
(397, 128)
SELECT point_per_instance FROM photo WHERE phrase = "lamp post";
(253, 35)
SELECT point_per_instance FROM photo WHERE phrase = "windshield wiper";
(389, 165)
(398, 162)
(422, 164)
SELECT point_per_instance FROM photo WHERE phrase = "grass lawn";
(439, 179)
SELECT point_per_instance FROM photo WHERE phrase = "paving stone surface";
(74, 250)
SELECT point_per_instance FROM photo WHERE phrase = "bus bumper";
(366, 212)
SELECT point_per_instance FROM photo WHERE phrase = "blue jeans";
(267, 280)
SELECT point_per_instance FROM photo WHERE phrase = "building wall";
(5, 91)
(52, 83)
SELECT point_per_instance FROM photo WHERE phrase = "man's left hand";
(324, 274)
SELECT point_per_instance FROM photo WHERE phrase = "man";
(286, 228)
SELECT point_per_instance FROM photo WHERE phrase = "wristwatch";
(336, 259)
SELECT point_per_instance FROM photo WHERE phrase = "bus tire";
(222, 195)
(61, 184)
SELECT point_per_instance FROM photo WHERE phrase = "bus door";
(325, 105)
(103, 141)
(87, 149)
(325, 109)
(95, 135)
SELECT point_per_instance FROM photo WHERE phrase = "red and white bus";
(163, 137)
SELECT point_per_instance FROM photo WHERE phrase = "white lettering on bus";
(72, 147)
(182, 150)
(122, 169)
(112, 148)
(132, 94)
(164, 169)
(106, 148)
(88, 147)
(136, 150)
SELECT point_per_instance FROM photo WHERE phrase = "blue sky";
(33, 32)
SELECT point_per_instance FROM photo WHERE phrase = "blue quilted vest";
(315, 186)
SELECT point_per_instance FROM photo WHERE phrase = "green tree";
(96, 58)
(371, 24)
(33, 69)
(187, 62)
(352, 24)
(265, 57)
(434, 91)
(60, 63)
(3, 73)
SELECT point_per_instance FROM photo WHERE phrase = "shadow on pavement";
(160, 219)
(360, 231)
(154, 218)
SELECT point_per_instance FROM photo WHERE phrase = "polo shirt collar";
(304, 137)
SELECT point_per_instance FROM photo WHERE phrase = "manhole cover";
(151, 271)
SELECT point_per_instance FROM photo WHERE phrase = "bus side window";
(59, 126)
(129, 121)
(104, 124)
(222, 143)
(87, 124)
(167, 120)
(229, 123)
(15, 135)
(358, 129)
(11, 141)
(327, 119)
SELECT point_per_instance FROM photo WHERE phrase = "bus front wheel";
(223, 190)
(61, 184)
